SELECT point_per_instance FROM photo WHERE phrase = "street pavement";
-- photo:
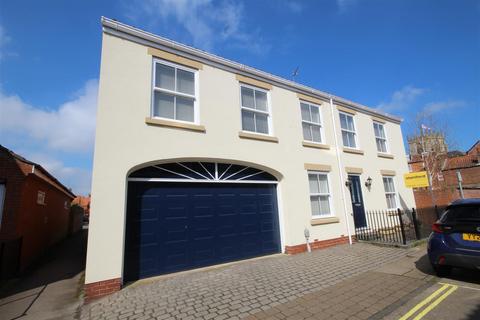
(456, 297)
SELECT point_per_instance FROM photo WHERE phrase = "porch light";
(348, 183)
(368, 183)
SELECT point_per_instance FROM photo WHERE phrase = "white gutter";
(137, 35)
(340, 173)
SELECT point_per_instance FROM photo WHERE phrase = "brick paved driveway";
(242, 289)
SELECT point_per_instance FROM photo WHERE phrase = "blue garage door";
(175, 226)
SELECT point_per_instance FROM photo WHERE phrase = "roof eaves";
(473, 146)
(54, 180)
(128, 32)
(38, 167)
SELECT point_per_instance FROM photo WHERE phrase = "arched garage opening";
(186, 215)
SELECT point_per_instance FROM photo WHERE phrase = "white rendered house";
(200, 160)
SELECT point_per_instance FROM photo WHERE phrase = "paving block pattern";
(360, 297)
(243, 289)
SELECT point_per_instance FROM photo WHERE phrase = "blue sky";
(403, 57)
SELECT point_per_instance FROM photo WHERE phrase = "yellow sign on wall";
(416, 179)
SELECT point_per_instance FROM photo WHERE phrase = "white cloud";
(345, 5)
(69, 127)
(401, 99)
(208, 24)
(78, 179)
(294, 6)
(406, 98)
(53, 137)
(442, 106)
(4, 40)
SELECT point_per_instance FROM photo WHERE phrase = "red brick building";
(34, 212)
(445, 183)
(84, 203)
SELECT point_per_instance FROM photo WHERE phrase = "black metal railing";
(396, 226)
(426, 217)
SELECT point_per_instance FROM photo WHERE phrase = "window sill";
(256, 136)
(385, 155)
(174, 124)
(310, 144)
(319, 221)
(354, 151)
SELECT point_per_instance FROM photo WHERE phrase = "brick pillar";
(100, 289)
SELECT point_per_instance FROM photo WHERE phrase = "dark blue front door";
(180, 226)
(357, 202)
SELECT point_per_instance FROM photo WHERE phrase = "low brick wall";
(316, 245)
(100, 289)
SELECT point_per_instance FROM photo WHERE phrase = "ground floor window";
(320, 197)
(390, 193)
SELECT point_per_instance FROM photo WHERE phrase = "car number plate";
(471, 237)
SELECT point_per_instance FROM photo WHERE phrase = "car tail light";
(437, 228)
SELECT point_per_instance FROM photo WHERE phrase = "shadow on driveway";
(51, 287)
(458, 274)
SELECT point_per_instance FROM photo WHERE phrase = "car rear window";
(462, 214)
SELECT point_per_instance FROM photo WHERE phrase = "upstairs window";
(320, 196)
(255, 110)
(349, 136)
(380, 137)
(390, 192)
(174, 92)
(311, 122)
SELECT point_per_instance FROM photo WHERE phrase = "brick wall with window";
(36, 225)
(11, 175)
(41, 225)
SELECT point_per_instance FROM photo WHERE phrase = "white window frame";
(355, 135)
(320, 124)
(195, 97)
(41, 196)
(268, 113)
(381, 138)
(330, 196)
(395, 193)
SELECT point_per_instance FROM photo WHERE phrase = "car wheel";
(442, 271)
